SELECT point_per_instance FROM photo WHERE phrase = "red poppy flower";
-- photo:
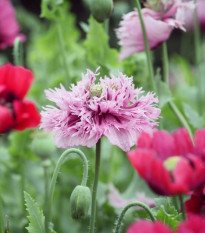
(194, 224)
(9, 28)
(167, 163)
(15, 112)
(196, 204)
(144, 226)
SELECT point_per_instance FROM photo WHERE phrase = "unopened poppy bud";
(101, 9)
(80, 200)
(43, 146)
(171, 163)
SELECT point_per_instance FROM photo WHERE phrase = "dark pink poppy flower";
(15, 112)
(9, 28)
(160, 19)
(196, 204)
(167, 163)
(144, 226)
(194, 224)
(200, 4)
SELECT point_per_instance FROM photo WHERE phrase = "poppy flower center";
(7, 98)
(96, 90)
(159, 5)
(171, 163)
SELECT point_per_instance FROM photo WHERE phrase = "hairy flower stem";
(95, 186)
(197, 37)
(63, 52)
(46, 165)
(146, 44)
(182, 206)
(165, 63)
(18, 52)
(137, 203)
(172, 105)
(197, 48)
(60, 162)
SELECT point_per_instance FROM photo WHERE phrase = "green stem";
(182, 206)
(172, 105)
(18, 52)
(197, 37)
(46, 165)
(180, 117)
(63, 52)
(60, 162)
(165, 63)
(95, 186)
(146, 44)
(137, 203)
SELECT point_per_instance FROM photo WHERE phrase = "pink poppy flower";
(170, 168)
(16, 112)
(159, 21)
(117, 201)
(200, 4)
(112, 107)
(194, 224)
(9, 28)
(144, 226)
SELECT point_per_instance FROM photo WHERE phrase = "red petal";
(144, 141)
(163, 144)
(196, 205)
(16, 79)
(183, 142)
(6, 120)
(199, 139)
(194, 224)
(27, 115)
(151, 169)
(144, 226)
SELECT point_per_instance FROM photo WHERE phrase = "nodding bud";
(43, 146)
(80, 200)
(101, 9)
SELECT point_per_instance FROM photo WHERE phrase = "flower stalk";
(18, 52)
(172, 105)
(95, 186)
(63, 51)
(60, 162)
(126, 208)
(146, 44)
(182, 206)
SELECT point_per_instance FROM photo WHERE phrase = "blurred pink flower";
(200, 4)
(159, 21)
(117, 201)
(9, 28)
(112, 107)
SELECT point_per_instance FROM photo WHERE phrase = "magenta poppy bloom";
(194, 224)
(200, 4)
(111, 107)
(171, 168)
(160, 20)
(15, 111)
(9, 28)
(145, 226)
(196, 204)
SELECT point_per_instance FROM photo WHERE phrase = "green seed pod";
(80, 200)
(101, 9)
(43, 145)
